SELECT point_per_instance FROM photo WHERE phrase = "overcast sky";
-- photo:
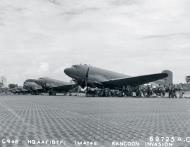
(42, 37)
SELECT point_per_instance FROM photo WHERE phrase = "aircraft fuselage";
(95, 75)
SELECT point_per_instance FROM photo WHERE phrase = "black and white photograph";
(94, 73)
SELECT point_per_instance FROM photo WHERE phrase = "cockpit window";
(42, 78)
(29, 80)
(75, 66)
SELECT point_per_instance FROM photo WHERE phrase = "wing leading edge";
(134, 81)
(64, 88)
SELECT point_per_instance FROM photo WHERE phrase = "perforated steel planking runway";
(100, 120)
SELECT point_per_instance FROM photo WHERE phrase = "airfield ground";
(90, 120)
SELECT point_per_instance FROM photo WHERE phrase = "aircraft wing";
(64, 88)
(134, 81)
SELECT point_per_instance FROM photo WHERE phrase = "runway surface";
(73, 121)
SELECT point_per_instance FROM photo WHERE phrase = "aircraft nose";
(26, 83)
(67, 71)
(32, 86)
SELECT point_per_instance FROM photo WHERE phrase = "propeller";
(85, 80)
(86, 77)
(43, 84)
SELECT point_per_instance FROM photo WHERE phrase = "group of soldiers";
(171, 91)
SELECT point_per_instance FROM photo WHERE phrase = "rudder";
(168, 80)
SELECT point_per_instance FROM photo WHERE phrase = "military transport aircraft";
(18, 90)
(187, 79)
(32, 87)
(52, 86)
(85, 76)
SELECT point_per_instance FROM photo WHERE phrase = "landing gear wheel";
(52, 93)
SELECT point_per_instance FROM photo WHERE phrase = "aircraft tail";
(168, 80)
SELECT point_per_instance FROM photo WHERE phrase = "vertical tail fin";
(168, 80)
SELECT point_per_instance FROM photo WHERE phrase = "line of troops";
(171, 91)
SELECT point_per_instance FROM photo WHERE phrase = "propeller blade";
(87, 72)
(86, 79)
